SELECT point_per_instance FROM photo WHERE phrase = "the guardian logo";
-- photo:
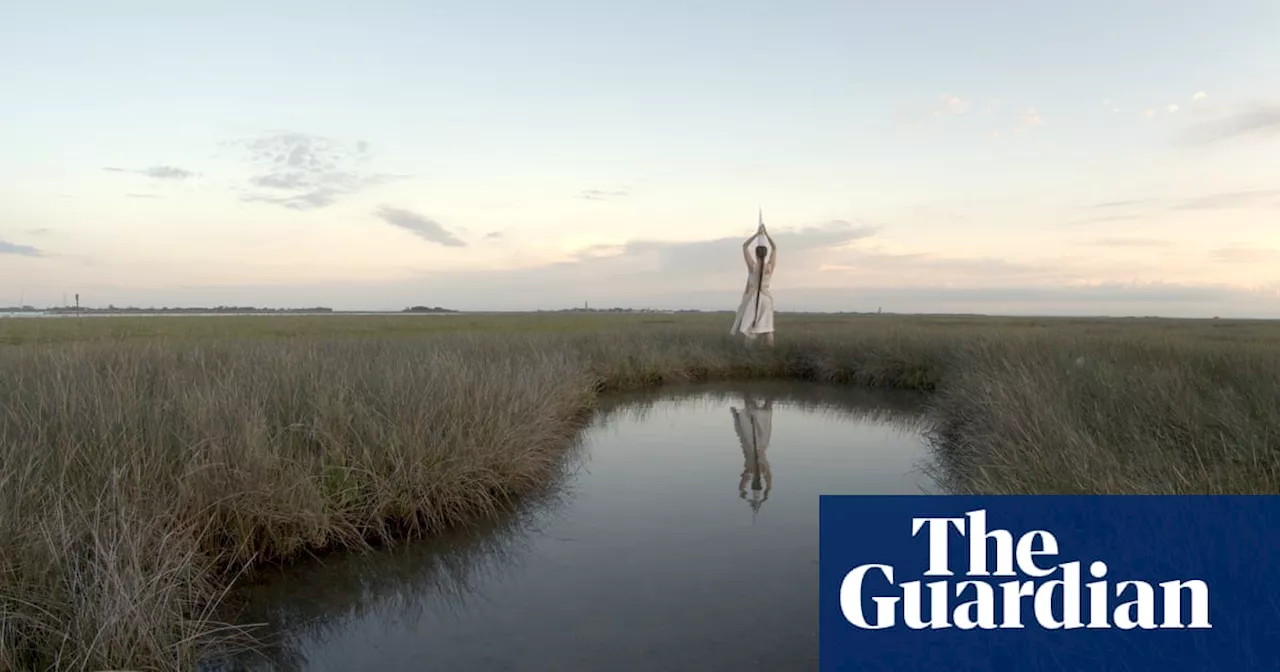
(984, 603)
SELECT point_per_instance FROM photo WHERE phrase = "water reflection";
(754, 425)
(632, 560)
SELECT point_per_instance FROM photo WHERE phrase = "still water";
(682, 536)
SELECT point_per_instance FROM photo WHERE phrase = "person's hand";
(760, 229)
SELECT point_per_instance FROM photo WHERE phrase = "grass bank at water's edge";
(140, 475)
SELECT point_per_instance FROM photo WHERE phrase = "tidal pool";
(683, 535)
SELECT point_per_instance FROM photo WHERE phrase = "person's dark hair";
(761, 253)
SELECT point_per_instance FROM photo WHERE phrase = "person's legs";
(768, 339)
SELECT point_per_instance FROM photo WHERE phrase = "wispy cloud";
(1126, 203)
(1127, 242)
(1168, 108)
(39, 231)
(167, 173)
(1250, 198)
(1243, 254)
(720, 255)
(142, 196)
(309, 200)
(1101, 220)
(1258, 120)
(949, 104)
(493, 235)
(419, 225)
(1029, 119)
(1199, 96)
(600, 195)
(19, 250)
(1230, 200)
(155, 172)
(306, 172)
(944, 105)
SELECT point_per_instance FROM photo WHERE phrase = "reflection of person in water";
(754, 425)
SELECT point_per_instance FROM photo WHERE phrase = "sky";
(1117, 157)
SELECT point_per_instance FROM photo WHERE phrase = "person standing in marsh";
(755, 311)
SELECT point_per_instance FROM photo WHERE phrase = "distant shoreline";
(32, 312)
(416, 310)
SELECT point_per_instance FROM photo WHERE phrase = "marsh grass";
(136, 476)
(143, 471)
(394, 585)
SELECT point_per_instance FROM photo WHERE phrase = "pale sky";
(1092, 157)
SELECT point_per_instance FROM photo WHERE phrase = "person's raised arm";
(773, 258)
(746, 256)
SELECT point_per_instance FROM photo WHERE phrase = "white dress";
(749, 311)
(754, 427)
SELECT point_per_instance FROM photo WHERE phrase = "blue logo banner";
(1062, 583)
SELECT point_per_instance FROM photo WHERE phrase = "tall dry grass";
(139, 478)
(1134, 415)
(136, 478)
